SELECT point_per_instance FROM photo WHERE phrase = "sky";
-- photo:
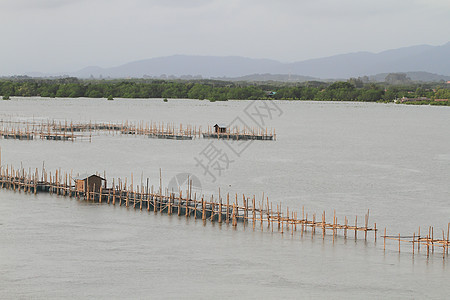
(67, 35)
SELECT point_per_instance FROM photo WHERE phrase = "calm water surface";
(348, 157)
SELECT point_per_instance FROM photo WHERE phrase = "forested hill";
(352, 90)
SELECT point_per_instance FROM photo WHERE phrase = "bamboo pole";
(227, 217)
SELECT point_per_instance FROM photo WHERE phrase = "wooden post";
(334, 224)
(234, 222)
(323, 225)
(169, 203)
(195, 206)
(313, 228)
(306, 222)
(212, 209)
(245, 217)
(160, 186)
(56, 182)
(154, 201)
(296, 221)
(236, 214)
(114, 193)
(146, 193)
(278, 215)
(227, 217)
(432, 239)
(220, 210)
(203, 210)
(254, 212)
(292, 224)
(345, 227)
(188, 197)
(418, 244)
(366, 224)
(142, 196)
(448, 231)
(375, 230)
(179, 205)
(86, 189)
(443, 244)
(287, 217)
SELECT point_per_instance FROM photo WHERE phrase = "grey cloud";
(36, 4)
(70, 34)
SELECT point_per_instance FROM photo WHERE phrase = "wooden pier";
(235, 133)
(228, 209)
(231, 209)
(71, 131)
(42, 131)
(16, 134)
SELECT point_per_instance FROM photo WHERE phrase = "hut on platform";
(220, 128)
(91, 183)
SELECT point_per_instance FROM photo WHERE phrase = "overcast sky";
(67, 35)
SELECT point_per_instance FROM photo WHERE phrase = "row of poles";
(259, 213)
(244, 133)
(416, 240)
(228, 209)
(67, 130)
(26, 134)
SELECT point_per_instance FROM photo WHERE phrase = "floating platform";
(17, 136)
(233, 136)
(57, 137)
(222, 210)
(170, 136)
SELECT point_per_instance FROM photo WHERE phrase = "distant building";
(220, 128)
(270, 93)
(441, 100)
(91, 183)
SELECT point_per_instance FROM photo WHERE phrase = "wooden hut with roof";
(220, 128)
(89, 183)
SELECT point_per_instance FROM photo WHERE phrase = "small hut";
(220, 128)
(91, 183)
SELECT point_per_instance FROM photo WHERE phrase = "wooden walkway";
(229, 209)
(70, 131)
(236, 133)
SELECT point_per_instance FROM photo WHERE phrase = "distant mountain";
(179, 65)
(423, 58)
(415, 76)
(270, 77)
(432, 59)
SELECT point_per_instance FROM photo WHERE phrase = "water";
(391, 159)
